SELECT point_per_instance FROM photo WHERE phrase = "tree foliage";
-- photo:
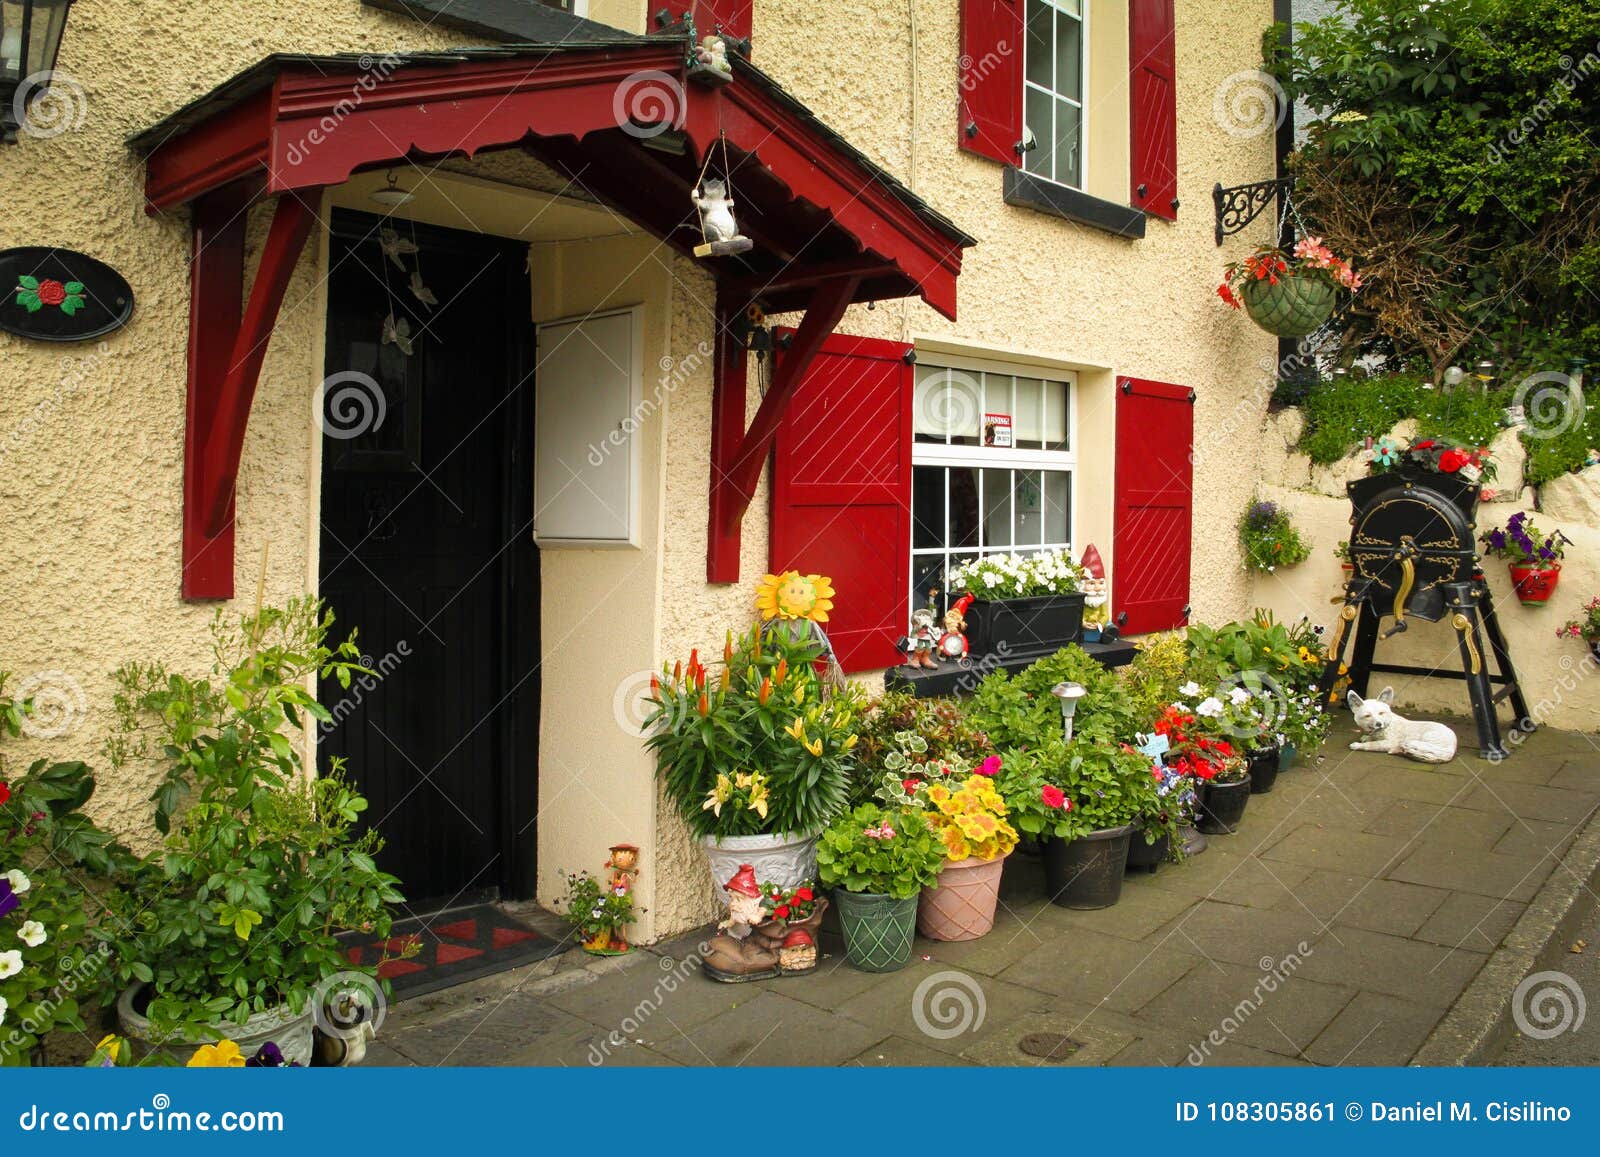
(1450, 156)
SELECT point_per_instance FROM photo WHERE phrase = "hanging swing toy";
(718, 230)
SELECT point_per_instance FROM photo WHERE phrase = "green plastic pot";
(1294, 307)
(878, 929)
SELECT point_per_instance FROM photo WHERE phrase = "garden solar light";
(1069, 694)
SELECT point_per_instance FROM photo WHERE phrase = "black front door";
(427, 550)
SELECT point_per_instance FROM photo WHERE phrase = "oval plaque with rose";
(50, 294)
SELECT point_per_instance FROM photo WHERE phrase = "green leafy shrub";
(1341, 415)
(593, 908)
(1018, 711)
(904, 737)
(883, 851)
(1069, 790)
(260, 870)
(1269, 538)
(1154, 675)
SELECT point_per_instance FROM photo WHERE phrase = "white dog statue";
(1390, 733)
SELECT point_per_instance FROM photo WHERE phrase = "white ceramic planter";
(785, 860)
(291, 1033)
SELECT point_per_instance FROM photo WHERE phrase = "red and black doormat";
(451, 948)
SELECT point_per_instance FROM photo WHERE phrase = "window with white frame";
(992, 466)
(1053, 88)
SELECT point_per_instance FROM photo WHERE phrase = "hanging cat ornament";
(717, 224)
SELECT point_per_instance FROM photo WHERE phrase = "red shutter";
(733, 17)
(1154, 112)
(991, 78)
(841, 492)
(1154, 506)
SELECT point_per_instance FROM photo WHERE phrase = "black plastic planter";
(1263, 769)
(1021, 626)
(1222, 807)
(1087, 872)
(1144, 856)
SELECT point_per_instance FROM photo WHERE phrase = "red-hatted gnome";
(754, 945)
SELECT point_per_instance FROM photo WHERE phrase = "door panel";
(422, 554)
(1154, 506)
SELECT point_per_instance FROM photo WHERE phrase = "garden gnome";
(924, 637)
(776, 947)
(744, 903)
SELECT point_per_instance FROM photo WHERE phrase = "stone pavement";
(1358, 901)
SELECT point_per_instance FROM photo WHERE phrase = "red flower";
(1452, 460)
(1425, 444)
(781, 912)
(911, 785)
(51, 292)
(804, 894)
(5, 793)
(989, 766)
(1054, 797)
(1225, 291)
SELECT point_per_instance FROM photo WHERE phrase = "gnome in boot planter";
(756, 942)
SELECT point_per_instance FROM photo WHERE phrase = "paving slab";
(1278, 1010)
(1531, 801)
(771, 1030)
(1220, 874)
(1359, 902)
(899, 1052)
(1374, 1029)
(1240, 935)
(1337, 849)
(1463, 870)
(1470, 921)
(1534, 838)
(1091, 968)
(943, 1008)
(1428, 974)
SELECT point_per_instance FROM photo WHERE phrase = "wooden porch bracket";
(227, 344)
(738, 455)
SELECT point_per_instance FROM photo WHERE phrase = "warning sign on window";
(997, 431)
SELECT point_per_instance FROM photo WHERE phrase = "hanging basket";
(1293, 307)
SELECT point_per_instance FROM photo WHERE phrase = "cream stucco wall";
(92, 450)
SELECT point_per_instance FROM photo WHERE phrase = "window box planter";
(1042, 624)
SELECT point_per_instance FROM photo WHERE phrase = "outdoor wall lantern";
(30, 37)
(1068, 694)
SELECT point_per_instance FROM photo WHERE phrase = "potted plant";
(908, 743)
(969, 819)
(1021, 603)
(1222, 780)
(758, 758)
(1342, 553)
(878, 861)
(50, 966)
(231, 930)
(1269, 538)
(598, 914)
(1585, 627)
(1532, 556)
(1288, 293)
(1084, 799)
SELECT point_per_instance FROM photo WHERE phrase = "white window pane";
(1068, 132)
(1040, 57)
(1027, 420)
(1069, 58)
(946, 406)
(1057, 506)
(997, 508)
(1055, 432)
(1037, 112)
(1027, 505)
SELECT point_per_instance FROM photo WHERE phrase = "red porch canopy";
(627, 121)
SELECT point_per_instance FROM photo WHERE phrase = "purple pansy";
(8, 900)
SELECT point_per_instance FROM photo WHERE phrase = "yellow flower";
(955, 844)
(222, 1055)
(850, 741)
(718, 795)
(758, 795)
(814, 746)
(799, 694)
(797, 729)
(938, 793)
(792, 595)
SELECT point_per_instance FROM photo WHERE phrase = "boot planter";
(1087, 872)
(878, 929)
(1294, 306)
(775, 948)
(1143, 856)
(961, 906)
(1263, 763)
(1535, 585)
(785, 860)
(1222, 807)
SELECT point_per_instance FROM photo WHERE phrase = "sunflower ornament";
(792, 595)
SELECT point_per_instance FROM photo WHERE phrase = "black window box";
(1024, 189)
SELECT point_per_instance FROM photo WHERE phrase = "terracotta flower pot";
(878, 930)
(961, 906)
(1535, 585)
